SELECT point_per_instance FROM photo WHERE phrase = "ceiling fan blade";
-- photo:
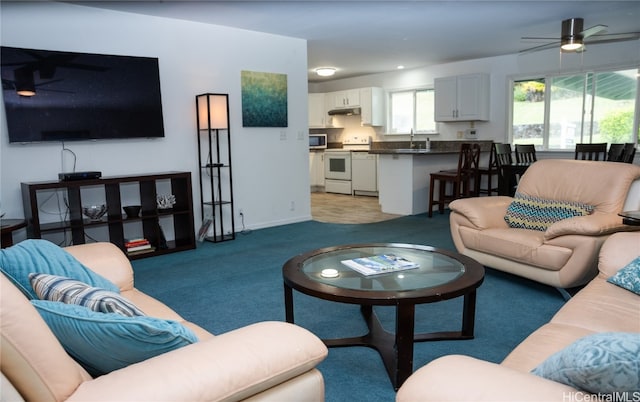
(541, 47)
(594, 30)
(535, 39)
(619, 37)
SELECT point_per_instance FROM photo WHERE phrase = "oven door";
(337, 165)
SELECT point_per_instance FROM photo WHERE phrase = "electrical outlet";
(283, 135)
(293, 206)
(300, 135)
(240, 211)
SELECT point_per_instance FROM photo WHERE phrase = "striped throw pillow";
(526, 212)
(70, 291)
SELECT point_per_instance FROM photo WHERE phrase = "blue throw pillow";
(103, 342)
(42, 256)
(603, 363)
(628, 277)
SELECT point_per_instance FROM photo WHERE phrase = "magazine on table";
(380, 264)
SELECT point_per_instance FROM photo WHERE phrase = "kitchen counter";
(408, 151)
(403, 173)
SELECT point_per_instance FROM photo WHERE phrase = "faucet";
(411, 140)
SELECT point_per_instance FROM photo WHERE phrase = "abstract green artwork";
(264, 99)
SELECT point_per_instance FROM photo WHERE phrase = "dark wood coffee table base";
(396, 350)
(441, 275)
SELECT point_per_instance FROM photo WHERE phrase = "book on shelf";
(134, 245)
(138, 248)
(136, 242)
(150, 249)
(204, 228)
(380, 264)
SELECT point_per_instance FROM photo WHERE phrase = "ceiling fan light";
(25, 85)
(571, 44)
(571, 35)
(325, 71)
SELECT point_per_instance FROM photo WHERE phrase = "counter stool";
(489, 171)
(461, 179)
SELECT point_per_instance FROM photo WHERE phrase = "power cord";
(244, 230)
(62, 157)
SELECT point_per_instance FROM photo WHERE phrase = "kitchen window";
(412, 110)
(556, 112)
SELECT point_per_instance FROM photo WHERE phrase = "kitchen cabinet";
(346, 99)
(317, 111)
(462, 98)
(152, 223)
(316, 169)
(372, 106)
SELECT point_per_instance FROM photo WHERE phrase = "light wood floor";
(343, 208)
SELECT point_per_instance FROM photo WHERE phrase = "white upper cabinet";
(317, 111)
(346, 99)
(372, 106)
(462, 98)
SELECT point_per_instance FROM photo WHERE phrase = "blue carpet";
(228, 285)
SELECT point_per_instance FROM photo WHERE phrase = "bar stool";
(461, 179)
(489, 171)
(503, 158)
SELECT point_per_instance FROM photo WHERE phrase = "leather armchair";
(565, 255)
(263, 361)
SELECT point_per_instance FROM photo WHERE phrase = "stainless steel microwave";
(317, 141)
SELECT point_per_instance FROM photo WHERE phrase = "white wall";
(269, 174)
(501, 69)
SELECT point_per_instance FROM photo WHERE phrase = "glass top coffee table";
(441, 275)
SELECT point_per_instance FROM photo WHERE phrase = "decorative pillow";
(602, 363)
(102, 342)
(59, 288)
(628, 277)
(534, 213)
(37, 255)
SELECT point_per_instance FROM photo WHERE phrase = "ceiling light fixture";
(571, 39)
(325, 71)
(400, 67)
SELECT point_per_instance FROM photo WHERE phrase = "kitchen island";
(403, 172)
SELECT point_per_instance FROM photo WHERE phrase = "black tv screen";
(79, 96)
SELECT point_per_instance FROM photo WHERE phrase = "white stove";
(356, 144)
(338, 164)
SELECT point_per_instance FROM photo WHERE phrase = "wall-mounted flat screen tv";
(65, 96)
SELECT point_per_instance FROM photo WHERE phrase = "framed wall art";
(264, 99)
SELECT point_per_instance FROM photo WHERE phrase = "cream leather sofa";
(599, 307)
(264, 361)
(564, 255)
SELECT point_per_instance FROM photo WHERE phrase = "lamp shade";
(212, 111)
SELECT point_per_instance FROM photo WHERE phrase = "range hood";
(345, 112)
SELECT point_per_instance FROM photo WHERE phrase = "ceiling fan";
(573, 37)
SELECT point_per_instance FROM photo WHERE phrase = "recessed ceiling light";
(325, 71)
(400, 67)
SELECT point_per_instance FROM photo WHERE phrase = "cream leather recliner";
(565, 255)
(263, 361)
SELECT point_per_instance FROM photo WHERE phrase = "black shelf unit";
(149, 221)
(214, 161)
